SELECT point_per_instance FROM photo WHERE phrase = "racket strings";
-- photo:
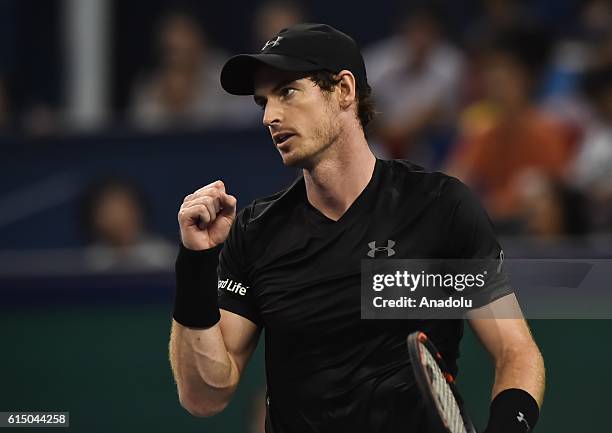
(444, 395)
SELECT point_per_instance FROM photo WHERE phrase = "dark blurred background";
(111, 112)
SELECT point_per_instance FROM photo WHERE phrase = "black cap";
(302, 47)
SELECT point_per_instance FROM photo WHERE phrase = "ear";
(347, 88)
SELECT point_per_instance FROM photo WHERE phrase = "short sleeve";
(235, 292)
(471, 236)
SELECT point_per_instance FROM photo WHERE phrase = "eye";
(286, 92)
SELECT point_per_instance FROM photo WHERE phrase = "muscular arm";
(518, 362)
(207, 363)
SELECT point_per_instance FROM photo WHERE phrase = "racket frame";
(416, 342)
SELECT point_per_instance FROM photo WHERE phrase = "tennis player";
(289, 264)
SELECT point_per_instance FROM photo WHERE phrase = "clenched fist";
(206, 216)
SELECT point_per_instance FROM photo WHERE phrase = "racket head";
(443, 403)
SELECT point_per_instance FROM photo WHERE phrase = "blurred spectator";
(41, 120)
(584, 47)
(113, 215)
(596, 19)
(593, 168)
(415, 76)
(548, 208)
(504, 134)
(496, 16)
(273, 16)
(559, 95)
(597, 23)
(184, 91)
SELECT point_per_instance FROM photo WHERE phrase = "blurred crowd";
(520, 114)
(512, 102)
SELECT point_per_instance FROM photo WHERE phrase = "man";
(290, 263)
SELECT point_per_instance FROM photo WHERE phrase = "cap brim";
(238, 74)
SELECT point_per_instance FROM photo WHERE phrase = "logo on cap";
(272, 42)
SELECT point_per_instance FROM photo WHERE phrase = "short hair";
(366, 109)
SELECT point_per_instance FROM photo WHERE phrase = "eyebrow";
(260, 100)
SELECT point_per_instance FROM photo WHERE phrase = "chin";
(300, 158)
(293, 160)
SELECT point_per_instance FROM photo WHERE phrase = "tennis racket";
(443, 403)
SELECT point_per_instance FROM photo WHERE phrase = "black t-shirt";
(290, 269)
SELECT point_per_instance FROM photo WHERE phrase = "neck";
(337, 179)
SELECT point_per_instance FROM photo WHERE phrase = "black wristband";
(195, 302)
(513, 411)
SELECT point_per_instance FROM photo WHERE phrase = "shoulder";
(411, 178)
(270, 207)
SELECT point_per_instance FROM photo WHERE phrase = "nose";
(272, 114)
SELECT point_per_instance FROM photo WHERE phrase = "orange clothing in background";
(493, 153)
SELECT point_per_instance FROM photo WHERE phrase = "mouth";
(280, 138)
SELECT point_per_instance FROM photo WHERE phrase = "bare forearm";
(521, 368)
(205, 374)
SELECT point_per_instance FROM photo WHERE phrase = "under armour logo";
(272, 42)
(389, 248)
(521, 418)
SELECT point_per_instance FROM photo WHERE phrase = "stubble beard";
(323, 136)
